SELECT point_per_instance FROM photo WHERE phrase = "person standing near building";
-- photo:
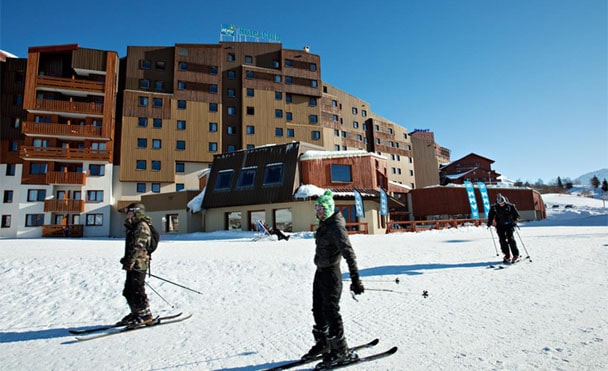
(505, 214)
(332, 243)
(136, 261)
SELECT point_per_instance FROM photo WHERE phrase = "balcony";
(66, 177)
(63, 130)
(87, 108)
(70, 86)
(64, 206)
(63, 154)
(59, 230)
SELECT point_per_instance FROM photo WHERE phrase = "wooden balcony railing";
(90, 108)
(56, 153)
(66, 84)
(63, 177)
(59, 230)
(425, 225)
(46, 129)
(74, 206)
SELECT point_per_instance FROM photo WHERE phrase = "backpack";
(154, 238)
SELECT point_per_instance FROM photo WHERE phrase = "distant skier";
(506, 216)
(332, 243)
(135, 262)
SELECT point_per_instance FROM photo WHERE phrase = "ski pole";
(159, 295)
(173, 283)
(396, 280)
(425, 293)
(494, 242)
(522, 244)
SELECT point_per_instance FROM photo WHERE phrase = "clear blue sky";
(522, 82)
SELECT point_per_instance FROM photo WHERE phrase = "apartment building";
(98, 132)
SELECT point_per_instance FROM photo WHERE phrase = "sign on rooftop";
(235, 33)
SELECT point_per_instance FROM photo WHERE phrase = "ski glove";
(127, 264)
(356, 286)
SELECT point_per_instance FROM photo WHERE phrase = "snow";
(254, 310)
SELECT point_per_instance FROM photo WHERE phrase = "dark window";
(250, 129)
(278, 132)
(341, 173)
(156, 187)
(140, 165)
(97, 170)
(36, 195)
(181, 104)
(155, 165)
(180, 145)
(273, 174)
(247, 177)
(94, 219)
(8, 197)
(94, 196)
(180, 167)
(141, 187)
(34, 220)
(142, 121)
(142, 142)
(224, 180)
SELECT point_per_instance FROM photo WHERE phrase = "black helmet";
(135, 206)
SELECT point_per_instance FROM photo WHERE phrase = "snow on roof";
(195, 204)
(315, 155)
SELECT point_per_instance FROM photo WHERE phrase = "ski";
(504, 265)
(108, 327)
(158, 322)
(301, 362)
(359, 360)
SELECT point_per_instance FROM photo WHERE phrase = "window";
(96, 170)
(10, 169)
(231, 110)
(94, 196)
(247, 177)
(181, 85)
(145, 64)
(142, 143)
(8, 197)
(158, 102)
(212, 146)
(156, 187)
(288, 80)
(142, 122)
(355, 111)
(160, 65)
(143, 101)
(14, 146)
(250, 129)
(231, 92)
(213, 70)
(180, 167)
(273, 174)
(179, 187)
(231, 75)
(6, 221)
(212, 107)
(213, 127)
(230, 130)
(144, 83)
(355, 124)
(291, 133)
(278, 95)
(213, 88)
(36, 195)
(275, 63)
(313, 119)
(231, 148)
(250, 146)
(94, 219)
(249, 75)
(34, 220)
(312, 67)
(224, 180)
(278, 132)
(364, 113)
(141, 187)
(37, 169)
(288, 116)
(155, 165)
(140, 165)
(316, 135)
(181, 125)
(288, 63)
(278, 113)
(341, 173)
(250, 92)
(313, 83)
(312, 102)
(159, 85)
(182, 66)
(180, 145)
(181, 104)
(250, 110)
(277, 78)
(156, 143)
(248, 59)
(288, 98)
(231, 57)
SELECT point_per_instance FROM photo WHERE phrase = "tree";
(604, 186)
(569, 185)
(595, 182)
(559, 182)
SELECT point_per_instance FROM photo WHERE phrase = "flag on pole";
(359, 204)
(472, 199)
(383, 203)
(484, 198)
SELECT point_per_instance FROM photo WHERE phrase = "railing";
(75, 206)
(31, 152)
(46, 129)
(62, 83)
(66, 106)
(425, 225)
(63, 177)
(60, 230)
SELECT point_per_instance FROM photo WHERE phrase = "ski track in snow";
(255, 308)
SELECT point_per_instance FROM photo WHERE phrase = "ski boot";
(143, 318)
(321, 344)
(339, 354)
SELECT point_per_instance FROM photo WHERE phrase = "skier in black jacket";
(332, 243)
(506, 216)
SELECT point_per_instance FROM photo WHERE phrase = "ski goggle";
(319, 208)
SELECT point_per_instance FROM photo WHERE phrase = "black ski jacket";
(333, 243)
(505, 215)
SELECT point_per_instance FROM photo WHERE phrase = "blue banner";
(383, 203)
(484, 198)
(359, 204)
(472, 199)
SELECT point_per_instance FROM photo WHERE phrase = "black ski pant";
(135, 291)
(326, 292)
(507, 242)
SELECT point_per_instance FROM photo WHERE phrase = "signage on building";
(246, 34)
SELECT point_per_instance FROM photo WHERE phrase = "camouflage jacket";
(136, 242)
